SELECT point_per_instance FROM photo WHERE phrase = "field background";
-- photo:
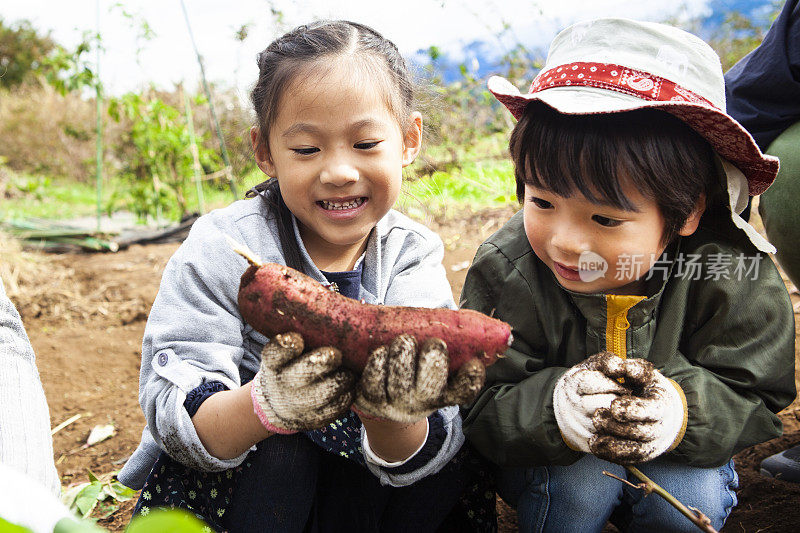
(85, 312)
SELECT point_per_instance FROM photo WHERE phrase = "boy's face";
(594, 248)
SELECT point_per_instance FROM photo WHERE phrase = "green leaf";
(88, 497)
(70, 525)
(8, 527)
(105, 509)
(69, 495)
(172, 520)
(121, 492)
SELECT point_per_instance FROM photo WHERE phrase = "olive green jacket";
(728, 343)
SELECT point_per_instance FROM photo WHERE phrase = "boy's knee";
(711, 490)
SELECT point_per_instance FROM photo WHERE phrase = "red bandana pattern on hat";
(616, 78)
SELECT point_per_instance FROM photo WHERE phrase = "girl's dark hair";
(304, 50)
(664, 158)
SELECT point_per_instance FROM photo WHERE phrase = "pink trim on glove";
(365, 416)
(262, 417)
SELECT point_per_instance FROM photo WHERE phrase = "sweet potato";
(275, 299)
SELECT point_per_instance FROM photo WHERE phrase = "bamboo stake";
(220, 138)
(195, 154)
(99, 134)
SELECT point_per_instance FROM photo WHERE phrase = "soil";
(87, 338)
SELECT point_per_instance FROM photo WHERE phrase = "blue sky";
(168, 58)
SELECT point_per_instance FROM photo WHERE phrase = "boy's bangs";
(564, 156)
(589, 164)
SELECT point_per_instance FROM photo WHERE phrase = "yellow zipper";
(617, 324)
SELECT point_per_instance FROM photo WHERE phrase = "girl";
(258, 440)
(629, 246)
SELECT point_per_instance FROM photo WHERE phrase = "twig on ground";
(65, 423)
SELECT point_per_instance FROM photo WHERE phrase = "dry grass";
(43, 132)
(48, 287)
(33, 283)
(20, 271)
(40, 285)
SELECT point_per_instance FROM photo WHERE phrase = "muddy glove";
(298, 391)
(642, 425)
(405, 384)
(582, 390)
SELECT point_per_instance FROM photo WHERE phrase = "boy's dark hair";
(664, 158)
(303, 50)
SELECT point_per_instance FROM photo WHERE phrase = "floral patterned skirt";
(209, 495)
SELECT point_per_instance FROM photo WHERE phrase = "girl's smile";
(343, 208)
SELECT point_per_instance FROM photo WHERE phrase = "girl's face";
(597, 248)
(338, 154)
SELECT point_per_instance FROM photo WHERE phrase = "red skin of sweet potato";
(275, 299)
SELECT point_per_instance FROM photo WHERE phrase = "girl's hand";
(299, 391)
(402, 383)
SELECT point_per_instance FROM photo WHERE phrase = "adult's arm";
(25, 440)
(763, 89)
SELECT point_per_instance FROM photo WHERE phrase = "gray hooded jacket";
(195, 333)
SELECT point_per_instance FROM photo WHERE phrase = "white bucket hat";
(616, 65)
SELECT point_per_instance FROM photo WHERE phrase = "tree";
(23, 51)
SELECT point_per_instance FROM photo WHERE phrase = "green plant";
(31, 185)
(8, 527)
(738, 35)
(157, 154)
(70, 70)
(477, 184)
(102, 493)
(172, 520)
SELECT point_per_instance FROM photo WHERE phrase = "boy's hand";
(582, 390)
(405, 384)
(296, 391)
(640, 426)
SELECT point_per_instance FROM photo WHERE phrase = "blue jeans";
(580, 498)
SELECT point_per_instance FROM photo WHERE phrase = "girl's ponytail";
(270, 192)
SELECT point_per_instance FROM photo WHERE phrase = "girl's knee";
(511, 483)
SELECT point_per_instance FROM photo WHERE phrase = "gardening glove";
(298, 391)
(640, 426)
(404, 383)
(582, 390)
